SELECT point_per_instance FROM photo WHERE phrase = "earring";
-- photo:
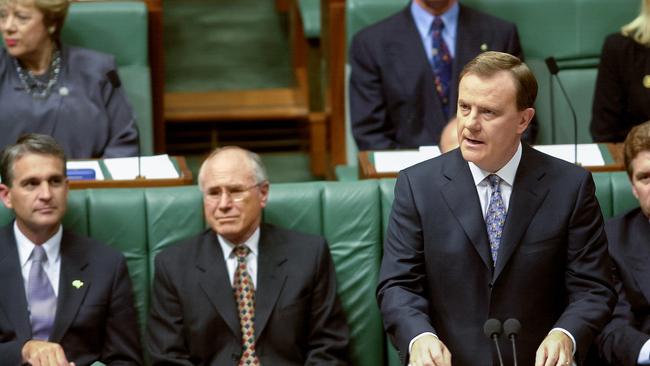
(51, 29)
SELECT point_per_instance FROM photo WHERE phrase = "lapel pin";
(63, 91)
(646, 81)
(484, 47)
(77, 284)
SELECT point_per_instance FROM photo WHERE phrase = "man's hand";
(42, 353)
(428, 350)
(555, 350)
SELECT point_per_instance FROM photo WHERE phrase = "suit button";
(490, 285)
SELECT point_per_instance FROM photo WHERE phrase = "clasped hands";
(556, 350)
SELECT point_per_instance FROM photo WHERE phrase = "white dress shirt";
(231, 259)
(52, 249)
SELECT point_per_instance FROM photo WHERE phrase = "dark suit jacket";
(621, 101)
(629, 328)
(437, 273)
(96, 322)
(298, 317)
(393, 102)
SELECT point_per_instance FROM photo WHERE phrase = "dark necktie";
(245, 298)
(441, 64)
(496, 216)
(40, 296)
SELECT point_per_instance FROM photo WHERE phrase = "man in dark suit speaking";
(243, 292)
(626, 339)
(494, 229)
(404, 70)
(65, 299)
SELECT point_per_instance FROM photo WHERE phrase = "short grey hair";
(259, 171)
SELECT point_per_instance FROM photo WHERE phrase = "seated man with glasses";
(243, 292)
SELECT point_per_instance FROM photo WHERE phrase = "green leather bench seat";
(352, 216)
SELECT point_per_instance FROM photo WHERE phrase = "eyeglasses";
(235, 193)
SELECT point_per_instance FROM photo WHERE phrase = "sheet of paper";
(394, 161)
(87, 164)
(152, 167)
(588, 154)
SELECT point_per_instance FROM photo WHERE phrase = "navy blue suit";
(94, 322)
(437, 273)
(393, 102)
(622, 339)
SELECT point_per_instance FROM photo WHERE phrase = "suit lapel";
(215, 282)
(13, 302)
(528, 193)
(638, 253)
(461, 197)
(270, 277)
(411, 63)
(73, 264)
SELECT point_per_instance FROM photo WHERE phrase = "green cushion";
(310, 14)
(302, 201)
(622, 198)
(604, 192)
(119, 28)
(120, 223)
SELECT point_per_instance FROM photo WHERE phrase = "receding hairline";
(247, 155)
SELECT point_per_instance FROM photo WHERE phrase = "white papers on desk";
(152, 167)
(86, 164)
(588, 154)
(394, 161)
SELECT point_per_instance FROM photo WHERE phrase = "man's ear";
(526, 116)
(5, 195)
(264, 192)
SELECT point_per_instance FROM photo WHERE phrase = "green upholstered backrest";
(559, 28)
(118, 28)
(348, 215)
(310, 15)
(622, 198)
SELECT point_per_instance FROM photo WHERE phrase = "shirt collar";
(423, 19)
(252, 243)
(25, 246)
(507, 173)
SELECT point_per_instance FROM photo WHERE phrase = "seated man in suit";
(243, 292)
(494, 229)
(626, 339)
(66, 299)
(404, 77)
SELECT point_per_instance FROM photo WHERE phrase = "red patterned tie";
(245, 298)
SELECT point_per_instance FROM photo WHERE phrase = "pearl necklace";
(39, 89)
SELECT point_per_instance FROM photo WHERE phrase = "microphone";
(137, 130)
(554, 69)
(492, 329)
(511, 328)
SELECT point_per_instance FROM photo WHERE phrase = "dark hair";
(32, 143)
(637, 140)
(487, 64)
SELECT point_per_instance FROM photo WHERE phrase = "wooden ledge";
(258, 104)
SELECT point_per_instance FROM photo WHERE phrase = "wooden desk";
(612, 154)
(185, 178)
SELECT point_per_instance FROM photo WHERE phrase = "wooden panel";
(334, 53)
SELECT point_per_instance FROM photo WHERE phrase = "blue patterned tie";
(496, 216)
(245, 298)
(441, 64)
(40, 296)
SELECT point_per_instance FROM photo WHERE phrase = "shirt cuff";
(418, 337)
(644, 355)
